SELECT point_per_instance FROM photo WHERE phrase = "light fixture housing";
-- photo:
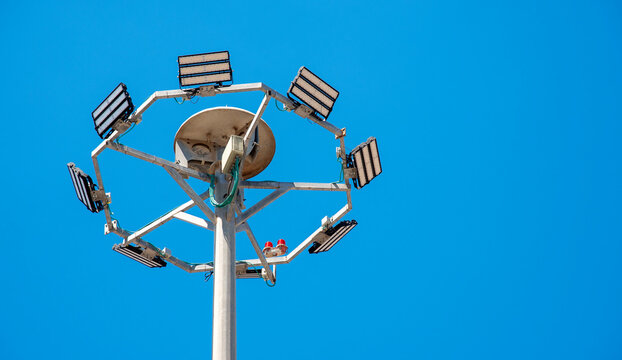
(331, 236)
(233, 150)
(366, 160)
(113, 112)
(141, 255)
(313, 92)
(85, 188)
(204, 69)
(248, 274)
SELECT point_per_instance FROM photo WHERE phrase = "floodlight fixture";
(85, 189)
(204, 69)
(141, 255)
(249, 274)
(113, 112)
(314, 92)
(332, 236)
(366, 160)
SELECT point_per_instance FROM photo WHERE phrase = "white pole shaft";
(224, 329)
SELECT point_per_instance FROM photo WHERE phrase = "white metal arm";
(178, 172)
(277, 260)
(260, 205)
(254, 123)
(205, 91)
(191, 193)
(280, 189)
(262, 258)
(158, 161)
(175, 213)
(299, 109)
(293, 185)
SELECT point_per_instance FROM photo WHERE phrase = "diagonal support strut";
(191, 193)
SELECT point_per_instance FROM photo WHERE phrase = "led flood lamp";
(333, 235)
(366, 160)
(85, 188)
(314, 92)
(116, 108)
(204, 69)
(139, 254)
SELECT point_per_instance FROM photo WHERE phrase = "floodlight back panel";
(84, 186)
(116, 107)
(204, 69)
(334, 234)
(366, 159)
(136, 253)
(314, 92)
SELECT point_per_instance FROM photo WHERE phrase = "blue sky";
(493, 233)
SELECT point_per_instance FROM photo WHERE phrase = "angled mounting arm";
(277, 260)
(254, 123)
(100, 184)
(260, 255)
(147, 245)
(206, 91)
(158, 161)
(180, 172)
(293, 185)
(280, 189)
(177, 213)
(191, 193)
(260, 205)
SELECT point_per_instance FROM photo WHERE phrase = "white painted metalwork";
(260, 205)
(165, 218)
(191, 193)
(195, 220)
(224, 332)
(255, 122)
(223, 221)
(260, 254)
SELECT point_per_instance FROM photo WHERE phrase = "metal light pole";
(224, 221)
(224, 332)
(205, 146)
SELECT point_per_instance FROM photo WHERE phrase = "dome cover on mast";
(201, 139)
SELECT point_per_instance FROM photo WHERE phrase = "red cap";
(268, 245)
(281, 242)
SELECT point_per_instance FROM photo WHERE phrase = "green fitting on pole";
(235, 171)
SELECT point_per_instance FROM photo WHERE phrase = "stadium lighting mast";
(224, 147)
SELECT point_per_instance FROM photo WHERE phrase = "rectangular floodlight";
(333, 235)
(84, 186)
(249, 274)
(116, 107)
(137, 253)
(314, 92)
(204, 69)
(366, 160)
